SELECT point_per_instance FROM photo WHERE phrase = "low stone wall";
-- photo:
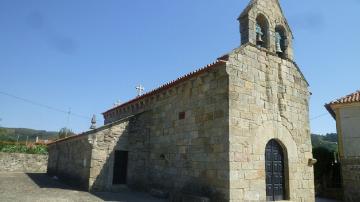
(70, 159)
(17, 162)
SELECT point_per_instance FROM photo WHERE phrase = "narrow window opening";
(182, 115)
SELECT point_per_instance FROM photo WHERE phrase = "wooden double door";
(274, 164)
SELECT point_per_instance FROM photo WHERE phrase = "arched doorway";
(275, 171)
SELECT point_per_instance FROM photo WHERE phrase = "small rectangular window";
(181, 115)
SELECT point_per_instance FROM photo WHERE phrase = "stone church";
(234, 130)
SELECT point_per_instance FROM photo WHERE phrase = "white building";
(346, 112)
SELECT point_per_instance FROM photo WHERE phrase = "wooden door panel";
(274, 165)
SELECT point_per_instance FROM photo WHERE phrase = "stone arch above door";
(271, 130)
(262, 135)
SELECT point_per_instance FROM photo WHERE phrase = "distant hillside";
(12, 134)
(328, 141)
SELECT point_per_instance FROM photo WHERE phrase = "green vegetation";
(328, 141)
(22, 148)
(65, 132)
(23, 134)
(327, 169)
(12, 140)
(22, 140)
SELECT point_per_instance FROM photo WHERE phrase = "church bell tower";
(264, 25)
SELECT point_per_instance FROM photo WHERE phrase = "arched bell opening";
(262, 31)
(281, 41)
(276, 169)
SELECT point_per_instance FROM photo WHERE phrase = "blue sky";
(87, 54)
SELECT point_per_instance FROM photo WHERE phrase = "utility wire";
(319, 116)
(69, 113)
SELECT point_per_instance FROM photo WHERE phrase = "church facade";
(234, 130)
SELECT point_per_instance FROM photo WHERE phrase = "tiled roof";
(352, 98)
(219, 61)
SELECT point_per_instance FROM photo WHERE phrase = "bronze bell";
(278, 48)
(259, 38)
(259, 34)
(278, 42)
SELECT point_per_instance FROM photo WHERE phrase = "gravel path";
(22, 187)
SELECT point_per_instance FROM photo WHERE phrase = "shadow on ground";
(325, 200)
(128, 196)
(45, 181)
(73, 193)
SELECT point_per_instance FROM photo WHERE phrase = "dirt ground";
(39, 187)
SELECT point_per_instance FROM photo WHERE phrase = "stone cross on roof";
(117, 103)
(140, 89)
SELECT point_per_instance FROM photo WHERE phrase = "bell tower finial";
(93, 122)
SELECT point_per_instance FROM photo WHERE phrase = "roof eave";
(330, 110)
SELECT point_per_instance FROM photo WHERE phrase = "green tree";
(65, 132)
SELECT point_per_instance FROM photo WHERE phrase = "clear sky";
(87, 54)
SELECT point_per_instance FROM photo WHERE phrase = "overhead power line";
(45, 106)
(319, 116)
(70, 113)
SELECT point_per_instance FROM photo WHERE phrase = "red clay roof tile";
(352, 98)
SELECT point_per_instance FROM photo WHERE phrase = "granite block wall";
(70, 160)
(27, 163)
(189, 153)
(351, 179)
(268, 100)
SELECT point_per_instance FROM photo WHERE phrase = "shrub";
(11, 147)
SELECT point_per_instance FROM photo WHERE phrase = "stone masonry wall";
(189, 153)
(28, 163)
(70, 160)
(169, 151)
(86, 160)
(268, 100)
(351, 179)
(105, 142)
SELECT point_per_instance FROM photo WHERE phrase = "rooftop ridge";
(220, 60)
